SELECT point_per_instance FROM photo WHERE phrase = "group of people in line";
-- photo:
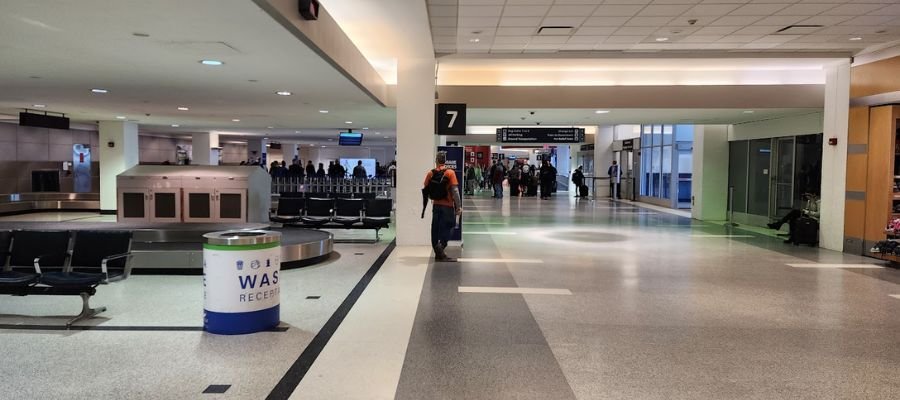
(280, 169)
(524, 179)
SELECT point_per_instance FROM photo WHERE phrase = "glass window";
(656, 169)
(758, 190)
(657, 135)
(645, 138)
(667, 134)
(646, 172)
(666, 178)
(684, 133)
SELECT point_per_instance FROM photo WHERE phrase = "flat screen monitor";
(350, 139)
(350, 163)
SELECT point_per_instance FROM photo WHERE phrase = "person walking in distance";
(359, 172)
(548, 179)
(614, 176)
(442, 188)
(498, 175)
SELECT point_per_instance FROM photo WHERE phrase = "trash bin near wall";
(240, 281)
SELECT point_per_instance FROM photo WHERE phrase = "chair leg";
(86, 310)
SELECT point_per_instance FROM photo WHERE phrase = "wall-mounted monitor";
(350, 139)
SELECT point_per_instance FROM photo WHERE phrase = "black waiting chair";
(102, 255)
(39, 251)
(318, 212)
(290, 209)
(366, 196)
(348, 212)
(378, 214)
(290, 194)
(338, 195)
(8, 277)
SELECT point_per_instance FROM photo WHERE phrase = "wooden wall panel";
(859, 125)
(880, 172)
(857, 170)
(855, 219)
(875, 78)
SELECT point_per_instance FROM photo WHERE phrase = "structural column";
(256, 149)
(603, 156)
(205, 148)
(415, 146)
(119, 150)
(834, 157)
(709, 182)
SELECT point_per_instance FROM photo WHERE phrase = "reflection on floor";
(554, 299)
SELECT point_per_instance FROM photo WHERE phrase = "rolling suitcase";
(583, 191)
(805, 231)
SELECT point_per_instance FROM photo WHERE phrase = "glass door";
(759, 184)
(783, 178)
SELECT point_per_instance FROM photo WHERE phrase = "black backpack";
(437, 188)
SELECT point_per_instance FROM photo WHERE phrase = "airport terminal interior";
(461, 199)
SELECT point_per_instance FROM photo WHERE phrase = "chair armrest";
(104, 268)
(37, 260)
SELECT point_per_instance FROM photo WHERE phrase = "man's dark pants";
(443, 221)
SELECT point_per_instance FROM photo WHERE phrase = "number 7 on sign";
(452, 115)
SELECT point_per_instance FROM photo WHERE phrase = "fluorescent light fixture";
(323, 145)
(214, 63)
(323, 111)
(749, 112)
(175, 125)
(99, 91)
(120, 117)
(662, 39)
(601, 112)
(475, 40)
(348, 122)
(265, 138)
(296, 131)
(235, 120)
(182, 108)
(377, 133)
(270, 127)
(39, 106)
(856, 38)
(366, 128)
(283, 93)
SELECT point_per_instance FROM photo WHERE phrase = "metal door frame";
(120, 212)
(151, 204)
(217, 203)
(186, 204)
(775, 173)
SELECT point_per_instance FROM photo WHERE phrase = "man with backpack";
(442, 188)
(515, 179)
(498, 175)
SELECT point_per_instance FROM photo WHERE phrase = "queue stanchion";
(241, 291)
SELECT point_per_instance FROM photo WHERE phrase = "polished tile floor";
(554, 299)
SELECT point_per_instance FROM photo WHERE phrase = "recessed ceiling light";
(99, 90)
(662, 39)
(296, 131)
(330, 140)
(175, 125)
(323, 145)
(214, 63)
(377, 133)
(323, 111)
(120, 117)
(601, 112)
(749, 112)
(183, 108)
(39, 106)
(270, 127)
(474, 40)
(855, 38)
(265, 138)
(366, 128)
(235, 120)
(348, 122)
(283, 93)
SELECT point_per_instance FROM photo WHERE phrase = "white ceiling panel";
(691, 22)
(480, 11)
(586, 39)
(606, 21)
(443, 11)
(624, 39)
(512, 40)
(525, 11)
(548, 40)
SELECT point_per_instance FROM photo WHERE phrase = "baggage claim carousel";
(177, 248)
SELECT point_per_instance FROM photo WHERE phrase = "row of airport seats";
(327, 195)
(63, 263)
(334, 213)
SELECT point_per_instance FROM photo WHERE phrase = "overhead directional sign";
(540, 135)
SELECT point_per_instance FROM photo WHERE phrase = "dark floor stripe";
(117, 328)
(298, 370)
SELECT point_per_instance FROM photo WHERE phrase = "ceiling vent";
(556, 31)
(798, 29)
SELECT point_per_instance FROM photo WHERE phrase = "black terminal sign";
(540, 135)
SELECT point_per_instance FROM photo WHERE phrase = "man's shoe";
(774, 226)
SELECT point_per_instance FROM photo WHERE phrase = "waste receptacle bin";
(240, 281)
